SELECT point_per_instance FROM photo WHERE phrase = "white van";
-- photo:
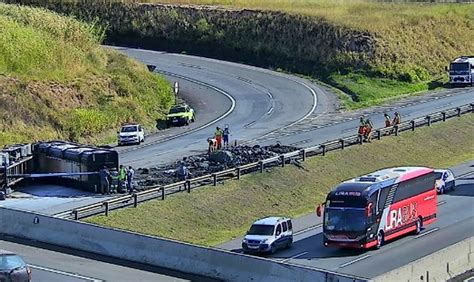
(268, 235)
(131, 134)
(444, 180)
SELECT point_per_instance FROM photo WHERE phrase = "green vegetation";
(56, 81)
(394, 49)
(212, 215)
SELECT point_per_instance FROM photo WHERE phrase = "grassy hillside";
(212, 215)
(372, 50)
(56, 81)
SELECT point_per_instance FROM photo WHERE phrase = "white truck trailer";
(461, 71)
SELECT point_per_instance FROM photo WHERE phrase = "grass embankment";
(212, 215)
(56, 81)
(374, 51)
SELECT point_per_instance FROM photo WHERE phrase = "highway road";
(56, 264)
(258, 101)
(455, 223)
(261, 107)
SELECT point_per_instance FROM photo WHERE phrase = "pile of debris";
(204, 164)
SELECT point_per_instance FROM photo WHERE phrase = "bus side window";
(285, 227)
(290, 225)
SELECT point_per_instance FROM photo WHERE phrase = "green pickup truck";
(180, 115)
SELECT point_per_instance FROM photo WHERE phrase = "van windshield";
(177, 110)
(260, 229)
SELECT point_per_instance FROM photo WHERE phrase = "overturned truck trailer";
(75, 165)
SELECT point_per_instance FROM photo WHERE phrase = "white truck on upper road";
(461, 71)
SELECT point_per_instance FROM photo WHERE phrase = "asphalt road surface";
(455, 223)
(54, 264)
(261, 107)
(257, 101)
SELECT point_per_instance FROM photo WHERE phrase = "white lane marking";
(229, 111)
(295, 256)
(429, 198)
(315, 103)
(64, 273)
(427, 232)
(270, 111)
(441, 203)
(354, 261)
(308, 229)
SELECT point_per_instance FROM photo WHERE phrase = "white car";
(131, 134)
(267, 235)
(444, 180)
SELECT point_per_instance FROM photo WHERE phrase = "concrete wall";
(154, 251)
(439, 266)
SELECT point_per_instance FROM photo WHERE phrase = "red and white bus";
(367, 211)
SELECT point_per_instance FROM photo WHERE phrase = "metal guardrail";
(156, 192)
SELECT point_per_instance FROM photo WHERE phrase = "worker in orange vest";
(387, 120)
(218, 135)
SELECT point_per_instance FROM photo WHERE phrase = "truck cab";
(180, 115)
(461, 71)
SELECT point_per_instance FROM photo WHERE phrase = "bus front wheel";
(380, 240)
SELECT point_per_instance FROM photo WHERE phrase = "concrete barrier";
(439, 266)
(155, 251)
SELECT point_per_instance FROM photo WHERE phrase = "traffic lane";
(312, 135)
(455, 223)
(39, 273)
(208, 104)
(55, 262)
(291, 98)
(250, 107)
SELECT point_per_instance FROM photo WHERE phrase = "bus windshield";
(345, 219)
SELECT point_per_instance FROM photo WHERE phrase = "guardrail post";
(304, 154)
(135, 200)
(379, 134)
(238, 173)
(444, 115)
(214, 179)
(396, 129)
(459, 111)
(342, 143)
(472, 107)
(188, 185)
(361, 139)
(76, 214)
(262, 165)
(106, 208)
(282, 157)
(428, 119)
(162, 193)
(324, 149)
(412, 125)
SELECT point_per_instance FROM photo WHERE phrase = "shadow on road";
(466, 189)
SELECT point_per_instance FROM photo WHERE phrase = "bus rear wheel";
(380, 240)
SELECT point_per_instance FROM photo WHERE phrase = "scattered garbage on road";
(203, 164)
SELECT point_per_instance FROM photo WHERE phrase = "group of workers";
(366, 126)
(220, 139)
(116, 181)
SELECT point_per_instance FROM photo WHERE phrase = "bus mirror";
(319, 210)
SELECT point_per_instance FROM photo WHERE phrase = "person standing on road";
(226, 136)
(361, 126)
(114, 177)
(104, 175)
(368, 130)
(182, 171)
(396, 121)
(387, 120)
(130, 174)
(122, 178)
(218, 136)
